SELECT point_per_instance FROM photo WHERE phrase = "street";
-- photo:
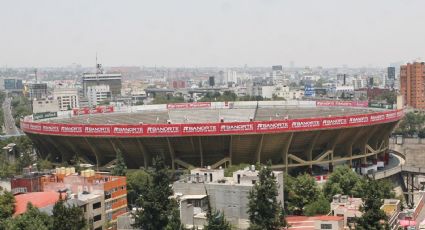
(9, 123)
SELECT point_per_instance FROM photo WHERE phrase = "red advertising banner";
(141, 130)
(343, 103)
(98, 109)
(189, 105)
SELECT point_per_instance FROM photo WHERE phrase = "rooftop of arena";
(211, 115)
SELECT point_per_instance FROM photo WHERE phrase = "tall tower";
(412, 84)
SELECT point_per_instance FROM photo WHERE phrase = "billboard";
(222, 128)
(45, 115)
(309, 90)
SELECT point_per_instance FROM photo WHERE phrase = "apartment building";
(412, 84)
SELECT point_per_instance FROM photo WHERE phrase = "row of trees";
(24, 157)
(64, 216)
(21, 107)
(150, 191)
(305, 197)
(413, 123)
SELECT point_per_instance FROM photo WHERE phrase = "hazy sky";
(195, 33)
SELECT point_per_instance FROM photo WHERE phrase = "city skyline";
(211, 34)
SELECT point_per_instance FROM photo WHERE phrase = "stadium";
(292, 134)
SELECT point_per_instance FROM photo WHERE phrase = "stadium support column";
(331, 147)
(144, 153)
(259, 148)
(93, 149)
(350, 144)
(309, 151)
(61, 151)
(365, 140)
(231, 150)
(201, 152)
(172, 154)
(285, 150)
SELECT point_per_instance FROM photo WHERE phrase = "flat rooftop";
(213, 115)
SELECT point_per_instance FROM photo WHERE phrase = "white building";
(98, 93)
(226, 194)
(43, 106)
(66, 97)
(232, 77)
(280, 90)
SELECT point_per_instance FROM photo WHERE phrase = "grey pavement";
(9, 123)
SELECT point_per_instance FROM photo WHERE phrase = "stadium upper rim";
(211, 118)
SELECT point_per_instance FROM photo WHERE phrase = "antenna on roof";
(98, 67)
(35, 74)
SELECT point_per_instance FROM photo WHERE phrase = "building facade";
(37, 91)
(98, 93)
(390, 77)
(104, 196)
(227, 194)
(412, 84)
(67, 98)
(112, 80)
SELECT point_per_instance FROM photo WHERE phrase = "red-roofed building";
(315, 222)
(38, 199)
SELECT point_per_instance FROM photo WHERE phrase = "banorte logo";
(200, 129)
(238, 127)
(273, 126)
(49, 128)
(305, 124)
(35, 127)
(97, 129)
(128, 130)
(71, 129)
(334, 122)
(379, 117)
(391, 115)
(356, 120)
(164, 130)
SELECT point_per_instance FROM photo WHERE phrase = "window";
(97, 218)
(107, 195)
(97, 205)
(326, 226)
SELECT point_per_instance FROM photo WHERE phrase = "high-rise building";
(113, 80)
(37, 91)
(412, 88)
(67, 98)
(390, 77)
(211, 81)
(97, 94)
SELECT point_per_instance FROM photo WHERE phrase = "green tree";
(7, 205)
(411, 124)
(385, 188)
(156, 208)
(319, 207)
(263, 209)
(341, 181)
(373, 217)
(66, 217)
(174, 222)
(215, 219)
(137, 185)
(301, 190)
(32, 219)
(120, 168)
